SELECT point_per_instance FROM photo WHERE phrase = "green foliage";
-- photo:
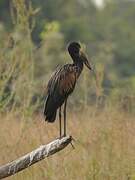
(17, 60)
(108, 34)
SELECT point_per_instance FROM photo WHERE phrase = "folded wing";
(60, 86)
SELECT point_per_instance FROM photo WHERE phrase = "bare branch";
(38, 154)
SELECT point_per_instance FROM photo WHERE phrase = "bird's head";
(78, 54)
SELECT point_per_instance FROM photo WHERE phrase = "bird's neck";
(79, 64)
(79, 67)
(77, 61)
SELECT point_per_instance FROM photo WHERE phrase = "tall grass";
(104, 147)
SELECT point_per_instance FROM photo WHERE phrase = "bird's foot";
(62, 136)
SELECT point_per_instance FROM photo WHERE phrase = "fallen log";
(33, 157)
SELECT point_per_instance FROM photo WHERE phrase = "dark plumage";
(62, 84)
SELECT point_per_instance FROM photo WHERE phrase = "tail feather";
(50, 110)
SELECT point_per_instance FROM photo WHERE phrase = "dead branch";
(38, 154)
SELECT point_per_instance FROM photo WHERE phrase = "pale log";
(38, 154)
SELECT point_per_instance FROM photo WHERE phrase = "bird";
(62, 84)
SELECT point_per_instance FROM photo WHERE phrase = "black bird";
(62, 84)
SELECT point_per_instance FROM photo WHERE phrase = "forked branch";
(38, 154)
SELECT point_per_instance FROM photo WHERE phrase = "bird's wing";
(63, 80)
(60, 85)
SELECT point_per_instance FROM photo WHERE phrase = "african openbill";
(62, 84)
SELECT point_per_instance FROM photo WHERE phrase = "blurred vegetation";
(33, 39)
(104, 146)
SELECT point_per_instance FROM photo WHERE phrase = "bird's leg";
(60, 120)
(65, 105)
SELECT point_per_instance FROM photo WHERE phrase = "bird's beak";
(85, 60)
